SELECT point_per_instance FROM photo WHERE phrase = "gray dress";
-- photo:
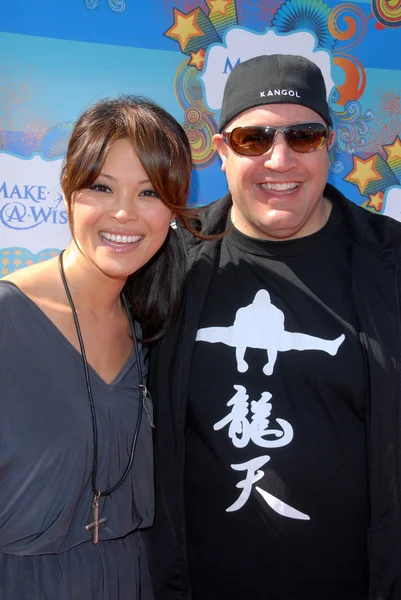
(46, 458)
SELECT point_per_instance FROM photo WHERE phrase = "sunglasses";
(256, 140)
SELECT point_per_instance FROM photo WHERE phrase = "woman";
(76, 472)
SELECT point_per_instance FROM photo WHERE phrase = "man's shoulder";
(379, 233)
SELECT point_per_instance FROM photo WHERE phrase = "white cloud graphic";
(392, 203)
(241, 44)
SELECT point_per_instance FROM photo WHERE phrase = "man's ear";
(330, 141)
(221, 148)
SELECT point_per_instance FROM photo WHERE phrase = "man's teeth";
(280, 187)
(120, 239)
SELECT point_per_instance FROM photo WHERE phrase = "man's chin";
(279, 227)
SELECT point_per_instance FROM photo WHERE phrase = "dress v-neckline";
(131, 359)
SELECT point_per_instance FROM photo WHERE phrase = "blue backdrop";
(57, 58)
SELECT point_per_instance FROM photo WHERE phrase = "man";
(278, 392)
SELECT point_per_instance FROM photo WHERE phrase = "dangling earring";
(173, 224)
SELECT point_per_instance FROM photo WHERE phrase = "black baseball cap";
(274, 79)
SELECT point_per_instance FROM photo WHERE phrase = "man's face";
(278, 195)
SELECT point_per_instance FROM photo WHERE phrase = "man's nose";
(280, 157)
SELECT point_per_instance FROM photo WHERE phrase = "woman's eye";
(149, 193)
(100, 187)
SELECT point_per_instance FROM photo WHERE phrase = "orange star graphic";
(198, 59)
(4, 271)
(364, 172)
(17, 262)
(17, 252)
(376, 201)
(218, 6)
(184, 27)
(393, 150)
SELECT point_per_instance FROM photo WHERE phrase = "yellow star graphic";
(393, 150)
(376, 201)
(198, 59)
(184, 27)
(364, 172)
(218, 6)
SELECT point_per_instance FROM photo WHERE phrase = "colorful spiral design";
(387, 12)
(355, 78)
(199, 124)
(356, 24)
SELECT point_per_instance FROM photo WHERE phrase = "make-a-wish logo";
(32, 212)
(18, 215)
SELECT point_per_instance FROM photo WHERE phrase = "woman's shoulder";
(8, 292)
(20, 289)
(13, 306)
(31, 280)
(14, 303)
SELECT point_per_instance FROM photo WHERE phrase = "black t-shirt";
(276, 484)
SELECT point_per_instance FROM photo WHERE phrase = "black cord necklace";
(97, 494)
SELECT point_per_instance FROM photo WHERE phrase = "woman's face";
(119, 221)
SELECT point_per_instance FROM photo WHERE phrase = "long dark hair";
(155, 290)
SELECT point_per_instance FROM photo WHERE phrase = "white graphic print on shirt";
(241, 431)
(260, 325)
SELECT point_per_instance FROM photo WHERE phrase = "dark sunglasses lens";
(306, 137)
(251, 141)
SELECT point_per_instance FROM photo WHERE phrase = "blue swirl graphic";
(336, 166)
(118, 6)
(352, 127)
(91, 4)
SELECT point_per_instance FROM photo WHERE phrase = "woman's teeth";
(120, 239)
